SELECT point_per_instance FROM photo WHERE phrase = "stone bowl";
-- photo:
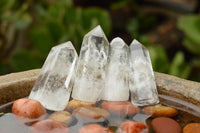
(174, 91)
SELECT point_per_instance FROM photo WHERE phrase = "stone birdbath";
(17, 85)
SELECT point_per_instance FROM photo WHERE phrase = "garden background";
(170, 29)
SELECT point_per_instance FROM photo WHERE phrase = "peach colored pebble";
(158, 111)
(165, 125)
(49, 126)
(73, 104)
(28, 108)
(121, 108)
(61, 116)
(192, 128)
(133, 127)
(94, 128)
(93, 114)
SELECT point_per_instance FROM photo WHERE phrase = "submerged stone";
(116, 86)
(142, 82)
(54, 83)
(91, 69)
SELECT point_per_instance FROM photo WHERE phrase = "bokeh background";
(170, 29)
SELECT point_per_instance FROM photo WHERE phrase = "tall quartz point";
(116, 86)
(90, 75)
(54, 83)
(142, 82)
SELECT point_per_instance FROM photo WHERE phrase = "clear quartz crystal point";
(54, 83)
(116, 86)
(142, 82)
(90, 75)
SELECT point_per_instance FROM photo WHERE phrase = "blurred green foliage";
(190, 25)
(16, 13)
(51, 23)
(54, 23)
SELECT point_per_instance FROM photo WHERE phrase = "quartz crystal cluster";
(102, 71)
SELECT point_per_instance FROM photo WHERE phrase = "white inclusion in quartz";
(142, 82)
(54, 83)
(90, 75)
(116, 86)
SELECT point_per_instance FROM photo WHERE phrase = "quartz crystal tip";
(135, 45)
(117, 43)
(54, 83)
(116, 85)
(142, 82)
(90, 75)
(97, 31)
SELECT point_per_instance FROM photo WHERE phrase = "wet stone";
(28, 108)
(192, 128)
(73, 104)
(49, 126)
(133, 127)
(125, 108)
(91, 114)
(94, 128)
(54, 84)
(61, 116)
(165, 125)
(158, 111)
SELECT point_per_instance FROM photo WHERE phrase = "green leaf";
(41, 39)
(71, 16)
(195, 62)
(23, 22)
(25, 60)
(191, 45)
(4, 69)
(6, 5)
(178, 66)
(159, 59)
(133, 27)
(93, 17)
(190, 25)
(56, 11)
(12, 16)
(122, 4)
(119, 5)
(55, 29)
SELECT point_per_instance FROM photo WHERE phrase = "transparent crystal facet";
(90, 74)
(142, 82)
(54, 83)
(116, 86)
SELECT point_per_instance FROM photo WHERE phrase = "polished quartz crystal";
(91, 69)
(142, 82)
(116, 86)
(54, 83)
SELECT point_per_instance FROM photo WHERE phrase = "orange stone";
(73, 104)
(49, 126)
(94, 128)
(192, 128)
(165, 125)
(125, 108)
(133, 127)
(28, 108)
(159, 111)
(92, 114)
